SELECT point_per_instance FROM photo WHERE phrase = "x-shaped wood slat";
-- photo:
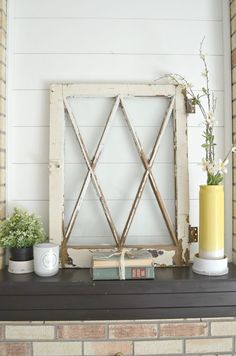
(91, 175)
(91, 164)
(148, 174)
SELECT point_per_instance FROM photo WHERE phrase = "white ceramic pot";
(46, 259)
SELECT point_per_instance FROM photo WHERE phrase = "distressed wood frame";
(175, 254)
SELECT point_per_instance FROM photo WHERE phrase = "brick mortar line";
(102, 339)
(31, 349)
(206, 337)
(82, 348)
(33, 340)
(158, 330)
(52, 341)
(55, 330)
(128, 340)
(107, 333)
(209, 328)
(184, 347)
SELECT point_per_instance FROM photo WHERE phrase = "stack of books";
(130, 265)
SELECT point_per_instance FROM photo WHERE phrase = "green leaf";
(21, 229)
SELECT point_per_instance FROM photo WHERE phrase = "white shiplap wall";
(52, 41)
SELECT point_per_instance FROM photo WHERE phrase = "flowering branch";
(215, 170)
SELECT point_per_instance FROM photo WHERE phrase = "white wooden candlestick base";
(210, 267)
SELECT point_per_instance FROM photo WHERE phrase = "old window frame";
(175, 254)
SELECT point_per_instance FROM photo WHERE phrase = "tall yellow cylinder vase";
(211, 222)
(211, 260)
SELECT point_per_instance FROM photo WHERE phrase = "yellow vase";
(211, 222)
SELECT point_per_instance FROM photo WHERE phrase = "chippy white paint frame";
(175, 254)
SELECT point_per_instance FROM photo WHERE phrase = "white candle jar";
(46, 259)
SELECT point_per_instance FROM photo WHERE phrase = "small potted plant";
(19, 233)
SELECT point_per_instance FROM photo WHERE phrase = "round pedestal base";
(210, 267)
(20, 267)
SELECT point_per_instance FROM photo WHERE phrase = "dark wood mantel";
(72, 295)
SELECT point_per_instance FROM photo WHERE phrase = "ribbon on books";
(123, 253)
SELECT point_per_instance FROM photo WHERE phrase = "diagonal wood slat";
(93, 175)
(148, 174)
(93, 165)
(148, 165)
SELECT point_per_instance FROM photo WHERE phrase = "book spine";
(130, 273)
(128, 263)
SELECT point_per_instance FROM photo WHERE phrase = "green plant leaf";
(21, 229)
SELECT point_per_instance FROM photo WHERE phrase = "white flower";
(222, 166)
(212, 168)
(204, 164)
(186, 85)
(211, 120)
(234, 149)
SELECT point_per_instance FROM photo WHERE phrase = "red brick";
(79, 332)
(13, 349)
(108, 348)
(183, 329)
(132, 331)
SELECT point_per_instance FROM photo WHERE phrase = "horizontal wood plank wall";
(3, 36)
(106, 41)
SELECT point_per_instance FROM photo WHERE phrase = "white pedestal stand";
(210, 267)
(20, 267)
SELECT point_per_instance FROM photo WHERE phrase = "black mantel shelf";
(72, 295)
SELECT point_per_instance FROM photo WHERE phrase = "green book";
(130, 273)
